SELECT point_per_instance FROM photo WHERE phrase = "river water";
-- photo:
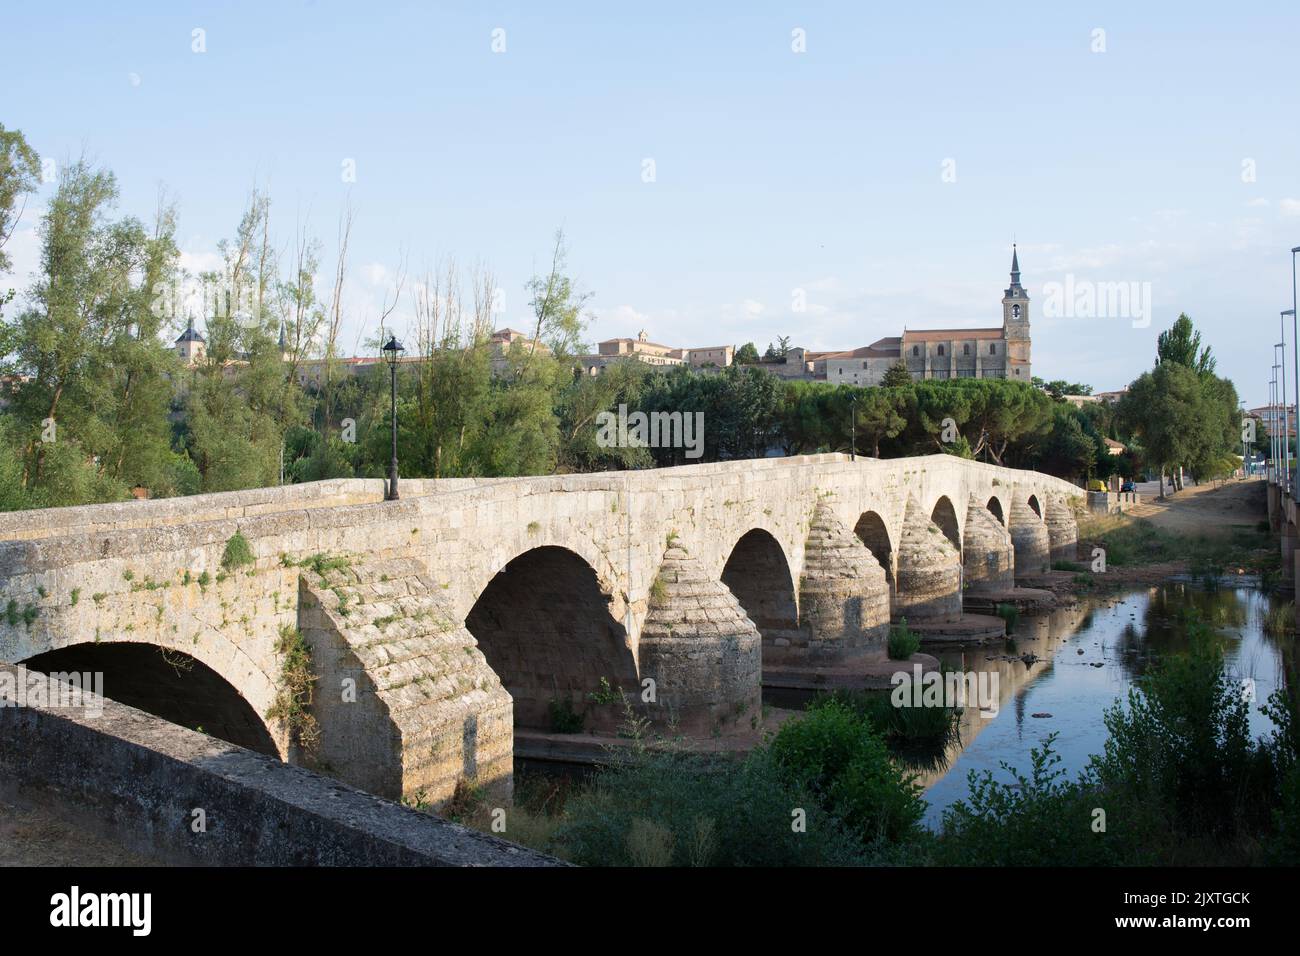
(1121, 633)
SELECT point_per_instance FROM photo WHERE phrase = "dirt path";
(1207, 509)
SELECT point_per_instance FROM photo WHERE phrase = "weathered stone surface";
(701, 650)
(929, 571)
(843, 592)
(988, 556)
(151, 572)
(142, 780)
(406, 703)
(1062, 529)
(1029, 535)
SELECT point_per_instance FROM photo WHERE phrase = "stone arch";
(945, 516)
(544, 625)
(874, 533)
(757, 572)
(1035, 505)
(995, 507)
(167, 683)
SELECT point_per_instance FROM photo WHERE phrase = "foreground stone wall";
(181, 797)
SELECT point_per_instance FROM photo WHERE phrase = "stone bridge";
(399, 645)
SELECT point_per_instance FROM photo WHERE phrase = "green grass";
(902, 642)
(237, 552)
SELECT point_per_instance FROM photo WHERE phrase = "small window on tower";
(916, 350)
(993, 349)
(1015, 311)
(940, 349)
(965, 350)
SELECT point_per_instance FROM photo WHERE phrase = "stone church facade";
(1001, 352)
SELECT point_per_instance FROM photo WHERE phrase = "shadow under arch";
(758, 574)
(995, 507)
(545, 627)
(1034, 506)
(166, 683)
(945, 516)
(872, 531)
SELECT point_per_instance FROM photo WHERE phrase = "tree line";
(95, 402)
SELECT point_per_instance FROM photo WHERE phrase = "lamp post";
(1291, 477)
(1286, 418)
(393, 350)
(1272, 419)
(1294, 355)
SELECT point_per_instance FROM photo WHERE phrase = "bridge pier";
(702, 652)
(843, 592)
(404, 702)
(1062, 530)
(1287, 541)
(988, 556)
(929, 571)
(1030, 537)
(1274, 507)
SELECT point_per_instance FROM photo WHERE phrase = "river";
(1121, 633)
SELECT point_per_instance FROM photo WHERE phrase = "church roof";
(189, 335)
(943, 335)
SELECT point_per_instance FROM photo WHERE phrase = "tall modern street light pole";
(1286, 416)
(853, 428)
(1272, 420)
(393, 350)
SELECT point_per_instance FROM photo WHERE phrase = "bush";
(679, 809)
(902, 642)
(237, 552)
(836, 754)
(1038, 820)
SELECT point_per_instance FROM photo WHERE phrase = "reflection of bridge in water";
(1041, 635)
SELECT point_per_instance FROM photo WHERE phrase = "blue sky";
(774, 170)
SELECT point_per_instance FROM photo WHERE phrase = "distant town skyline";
(721, 179)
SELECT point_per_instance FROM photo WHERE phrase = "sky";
(723, 173)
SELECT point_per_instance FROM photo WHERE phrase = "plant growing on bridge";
(237, 552)
(293, 699)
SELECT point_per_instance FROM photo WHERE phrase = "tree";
(1163, 408)
(896, 376)
(20, 171)
(558, 307)
(747, 354)
(1182, 344)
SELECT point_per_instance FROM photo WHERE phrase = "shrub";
(683, 809)
(836, 754)
(237, 552)
(902, 642)
(564, 719)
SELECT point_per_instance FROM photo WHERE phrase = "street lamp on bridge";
(393, 350)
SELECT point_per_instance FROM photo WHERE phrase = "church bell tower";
(1015, 323)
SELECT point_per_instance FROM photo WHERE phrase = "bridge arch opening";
(168, 684)
(758, 574)
(995, 507)
(545, 626)
(1034, 506)
(945, 516)
(872, 532)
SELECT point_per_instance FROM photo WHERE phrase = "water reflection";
(1060, 670)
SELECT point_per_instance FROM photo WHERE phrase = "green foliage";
(902, 642)
(837, 754)
(564, 718)
(293, 699)
(237, 552)
(683, 809)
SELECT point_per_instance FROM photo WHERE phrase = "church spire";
(1015, 266)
